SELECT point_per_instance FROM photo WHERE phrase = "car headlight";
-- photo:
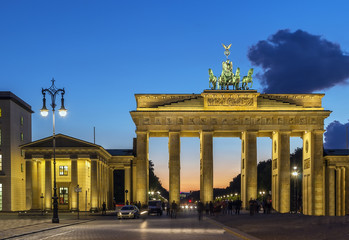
(119, 213)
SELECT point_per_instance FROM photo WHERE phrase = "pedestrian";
(104, 209)
(174, 209)
(200, 209)
(211, 208)
(168, 208)
(127, 203)
(238, 204)
(207, 208)
(230, 207)
(139, 205)
(251, 205)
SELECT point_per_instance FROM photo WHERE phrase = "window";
(22, 137)
(63, 170)
(0, 162)
(22, 120)
(63, 195)
(0, 196)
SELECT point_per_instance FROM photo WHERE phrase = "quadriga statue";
(247, 79)
(212, 79)
(227, 75)
(236, 80)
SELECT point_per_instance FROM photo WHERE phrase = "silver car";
(128, 211)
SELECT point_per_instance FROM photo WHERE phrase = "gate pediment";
(230, 100)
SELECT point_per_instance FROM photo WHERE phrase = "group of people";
(226, 207)
(171, 209)
(256, 205)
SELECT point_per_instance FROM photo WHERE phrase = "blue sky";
(103, 52)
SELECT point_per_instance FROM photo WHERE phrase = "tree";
(155, 183)
(264, 176)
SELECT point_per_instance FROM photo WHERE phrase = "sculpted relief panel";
(230, 120)
(230, 101)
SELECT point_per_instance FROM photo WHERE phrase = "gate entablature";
(228, 111)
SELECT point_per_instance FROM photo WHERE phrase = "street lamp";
(53, 91)
(295, 175)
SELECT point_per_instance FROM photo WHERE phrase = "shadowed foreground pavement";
(288, 226)
(186, 226)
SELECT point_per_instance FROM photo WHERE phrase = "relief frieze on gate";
(247, 120)
(230, 100)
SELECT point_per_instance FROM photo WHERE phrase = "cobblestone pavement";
(288, 226)
(185, 226)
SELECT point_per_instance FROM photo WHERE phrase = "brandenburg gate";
(246, 114)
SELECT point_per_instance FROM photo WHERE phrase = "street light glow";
(44, 112)
(62, 112)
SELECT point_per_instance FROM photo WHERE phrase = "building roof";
(6, 95)
(120, 152)
(336, 152)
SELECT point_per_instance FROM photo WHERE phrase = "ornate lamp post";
(295, 175)
(53, 91)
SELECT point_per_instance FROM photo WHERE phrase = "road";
(185, 226)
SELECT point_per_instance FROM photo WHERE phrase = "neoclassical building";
(104, 175)
(245, 114)
(78, 162)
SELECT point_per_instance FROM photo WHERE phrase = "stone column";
(346, 190)
(35, 193)
(281, 171)
(111, 188)
(39, 189)
(128, 183)
(174, 149)
(29, 185)
(94, 190)
(313, 174)
(134, 180)
(142, 167)
(248, 167)
(74, 183)
(331, 192)
(343, 173)
(206, 166)
(338, 191)
(48, 184)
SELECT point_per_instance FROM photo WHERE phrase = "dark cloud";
(299, 62)
(335, 135)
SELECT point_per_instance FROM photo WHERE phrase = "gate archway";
(245, 114)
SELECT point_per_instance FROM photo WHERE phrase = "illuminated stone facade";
(27, 170)
(77, 163)
(243, 114)
(15, 129)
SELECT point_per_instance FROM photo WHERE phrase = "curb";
(48, 229)
(233, 231)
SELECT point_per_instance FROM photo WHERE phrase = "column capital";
(319, 131)
(206, 131)
(174, 132)
(141, 132)
(250, 131)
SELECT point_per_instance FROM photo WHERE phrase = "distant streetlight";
(295, 178)
(53, 91)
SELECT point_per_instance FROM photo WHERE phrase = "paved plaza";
(186, 226)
